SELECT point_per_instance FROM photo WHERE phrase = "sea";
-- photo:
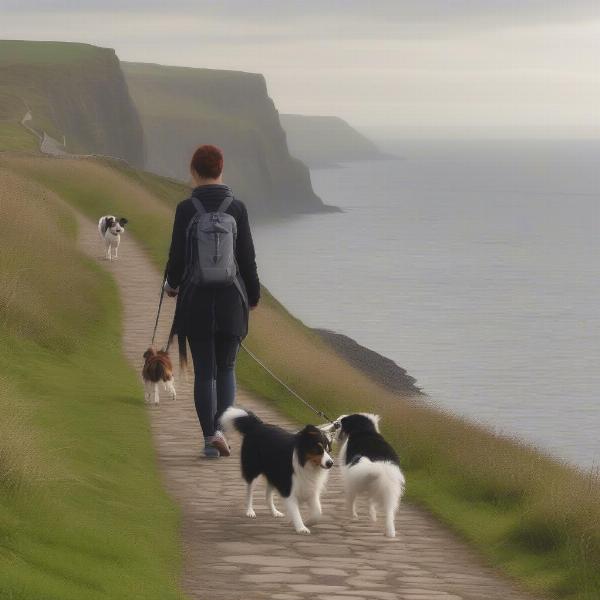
(474, 265)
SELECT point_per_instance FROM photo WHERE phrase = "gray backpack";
(211, 238)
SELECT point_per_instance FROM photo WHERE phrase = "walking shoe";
(210, 451)
(219, 441)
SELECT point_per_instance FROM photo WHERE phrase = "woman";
(214, 320)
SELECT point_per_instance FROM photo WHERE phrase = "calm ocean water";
(475, 266)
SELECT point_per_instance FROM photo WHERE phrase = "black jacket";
(200, 311)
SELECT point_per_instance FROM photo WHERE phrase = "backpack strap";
(198, 205)
(225, 204)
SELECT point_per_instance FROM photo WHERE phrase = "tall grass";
(535, 517)
(83, 515)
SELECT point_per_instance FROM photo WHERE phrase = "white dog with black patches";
(110, 229)
(370, 467)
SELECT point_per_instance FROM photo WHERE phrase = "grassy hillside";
(182, 108)
(536, 518)
(321, 141)
(13, 136)
(72, 90)
(83, 515)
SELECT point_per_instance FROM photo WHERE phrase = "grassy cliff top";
(20, 63)
(185, 73)
(329, 120)
(160, 90)
(33, 52)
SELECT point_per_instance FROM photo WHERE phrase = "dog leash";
(296, 395)
(320, 413)
(160, 301)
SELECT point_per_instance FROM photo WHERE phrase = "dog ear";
(302, 444)
(305, 430)
(110, 222)
(123, 221)
(150, 352)
(374, 419)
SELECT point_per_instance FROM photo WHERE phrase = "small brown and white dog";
(110, 229)
(157, 369)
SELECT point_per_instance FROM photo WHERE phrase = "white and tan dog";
(110, 229)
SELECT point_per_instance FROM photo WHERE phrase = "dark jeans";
(214, 383)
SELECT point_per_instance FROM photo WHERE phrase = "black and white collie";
(295, 464)
(370, 467)
(110, 229)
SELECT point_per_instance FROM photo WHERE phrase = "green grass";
(99, 187)
(83, 515)
(14, 103)
(23, 70)
(72, 90)
(30, 52)
(534, 517)
(14, 137)
(169, 191)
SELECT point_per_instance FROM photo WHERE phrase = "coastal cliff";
(321, 141)
(76, 93)
(181, 108)
(153, 117)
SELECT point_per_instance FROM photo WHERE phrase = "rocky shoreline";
(379, 368)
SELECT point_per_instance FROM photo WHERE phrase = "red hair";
(207, 161)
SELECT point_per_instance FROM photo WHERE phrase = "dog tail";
(382, 474)
(182, 347)
(240, 420)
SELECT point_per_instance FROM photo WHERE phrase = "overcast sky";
(419, 68)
